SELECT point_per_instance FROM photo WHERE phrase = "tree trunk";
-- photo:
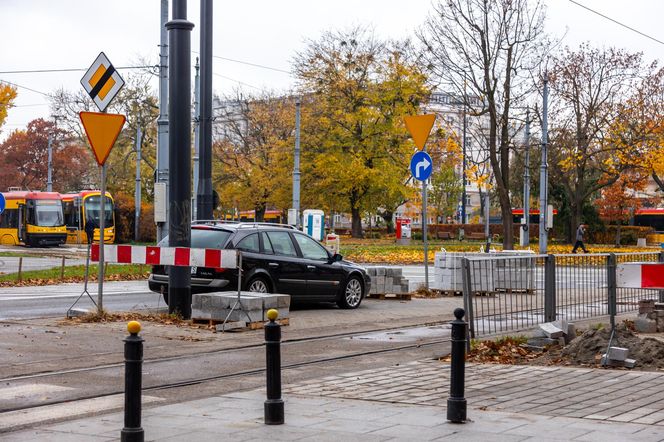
(388, 216)
(618, 235)
(259, 213)
(506, 212)
(356, 225)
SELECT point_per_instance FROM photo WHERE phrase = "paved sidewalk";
(407, 402)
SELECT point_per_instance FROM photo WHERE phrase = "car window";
(249, 243)
(267, 244)
(204, 239)
(310, 248)
(282, 244)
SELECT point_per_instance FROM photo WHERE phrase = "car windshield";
(204, 239)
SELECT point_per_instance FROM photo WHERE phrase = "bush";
(125, 216)
(628, 234)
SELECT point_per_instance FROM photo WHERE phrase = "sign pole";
(425, 233)
(421, 167)
(102, 216)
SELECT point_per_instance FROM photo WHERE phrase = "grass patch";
(15, 255)
(114, 272)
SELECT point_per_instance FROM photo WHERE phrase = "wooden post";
(20, 268)
(62, 269)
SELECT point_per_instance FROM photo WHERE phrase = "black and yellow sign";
(102, 82)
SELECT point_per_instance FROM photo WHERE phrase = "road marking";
(26, 296)
(14, 420)
(29, 391)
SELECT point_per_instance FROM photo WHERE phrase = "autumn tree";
(357, 146)
(7, 96)
(487, 49)
(619, 200)
(25, 158)
(253, 146)
(138, 103)
(587, 86)
(639, 126)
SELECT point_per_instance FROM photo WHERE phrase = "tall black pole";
(179, 142)
(204, 197)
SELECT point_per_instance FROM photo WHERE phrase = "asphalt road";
(55, 300)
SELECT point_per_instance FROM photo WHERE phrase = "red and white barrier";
(643, 275)
(168, 256)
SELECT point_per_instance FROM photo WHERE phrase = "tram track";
(284, 342)
(305, 361)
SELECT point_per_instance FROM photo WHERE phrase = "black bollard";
(132, 431)
(456, 403)
(274, 405)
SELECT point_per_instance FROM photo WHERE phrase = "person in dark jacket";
(579, 239)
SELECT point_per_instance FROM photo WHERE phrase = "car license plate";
(193, 270)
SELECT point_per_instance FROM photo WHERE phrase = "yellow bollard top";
(272, 314)
(133, 327)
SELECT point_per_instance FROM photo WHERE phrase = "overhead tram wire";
(25, 87)
(49, 71)
(617, 22)
(256, 65)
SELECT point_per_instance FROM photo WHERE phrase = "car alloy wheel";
(352, 293)
(258, 285)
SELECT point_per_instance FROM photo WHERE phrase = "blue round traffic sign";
(421, 165)
(2, 203)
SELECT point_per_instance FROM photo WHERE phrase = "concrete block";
(196, 301)
(380, 271)
(371, 271)
(200, 314)
(659, 306)
(618, 353)
(77, 312)
(230, 326)
(404, 287)
(645, 325)
(629, 363)
(541, 342)
(551, 330)
(571, 332)
(561, 324)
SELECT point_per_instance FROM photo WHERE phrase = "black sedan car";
(275, 259)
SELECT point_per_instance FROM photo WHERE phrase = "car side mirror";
(337, 257)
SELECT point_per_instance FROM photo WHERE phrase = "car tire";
(258, 284)
(352, 294)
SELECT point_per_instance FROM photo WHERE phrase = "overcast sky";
(48, 34)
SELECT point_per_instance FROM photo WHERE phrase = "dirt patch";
(585, 351)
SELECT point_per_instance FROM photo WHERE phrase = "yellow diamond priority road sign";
(102, 82)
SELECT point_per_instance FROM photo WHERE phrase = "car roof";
(238, 225)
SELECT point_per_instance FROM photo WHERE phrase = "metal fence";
(503, 293)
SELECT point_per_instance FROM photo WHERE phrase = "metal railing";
(505, 293)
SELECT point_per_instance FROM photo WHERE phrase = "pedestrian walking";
(579, 239)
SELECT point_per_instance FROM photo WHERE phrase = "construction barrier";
(168, 256)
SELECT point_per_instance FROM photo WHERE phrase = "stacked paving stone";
(252, 307)
(617, 357)
(558, 332)
(448, 273)
(387, 280)
(651, 317)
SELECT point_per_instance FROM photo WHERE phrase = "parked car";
(275, 259)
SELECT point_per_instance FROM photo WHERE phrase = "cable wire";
(47, 71)
(617, 22)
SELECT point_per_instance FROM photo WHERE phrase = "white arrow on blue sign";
(421, 165)
(2, 203)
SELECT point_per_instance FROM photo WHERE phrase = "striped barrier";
(168, 256)
(642, 275)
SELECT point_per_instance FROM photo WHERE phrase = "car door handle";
(310, 267)
(274, 265)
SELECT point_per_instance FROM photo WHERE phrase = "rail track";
(294, 346)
